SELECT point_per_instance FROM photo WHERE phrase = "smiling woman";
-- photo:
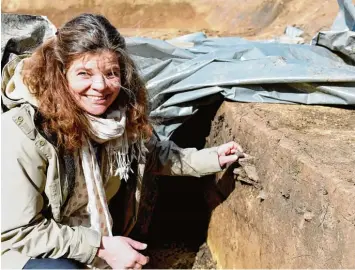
(77, 135)
(94, 80)
(88, 43)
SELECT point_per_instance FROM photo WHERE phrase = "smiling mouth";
(97, 99)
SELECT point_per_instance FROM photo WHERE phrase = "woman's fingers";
(141, 259)
(223, 160)
(138, 262)
(229, 153)
(229, 148)
(136, 245)
(236, 147)
(238, 154)
(137, 266)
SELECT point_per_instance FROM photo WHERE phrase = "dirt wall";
(300, 213)
(248, 18)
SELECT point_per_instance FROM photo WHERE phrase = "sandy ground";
(253, 19)
(292, 217)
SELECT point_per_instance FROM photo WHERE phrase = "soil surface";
(299, 211)
(171, 256)
(253, 19)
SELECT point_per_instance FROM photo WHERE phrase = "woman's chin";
(96, 110)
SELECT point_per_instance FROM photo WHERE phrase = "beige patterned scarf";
(110, 132)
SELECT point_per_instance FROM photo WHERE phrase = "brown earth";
(300, 213)
(178, 257)
(253, 19)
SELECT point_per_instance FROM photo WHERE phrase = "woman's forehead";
(97, 60)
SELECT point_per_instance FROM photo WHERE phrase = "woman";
(77, 131)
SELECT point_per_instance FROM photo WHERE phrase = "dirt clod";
(204, 259)
(308, 216)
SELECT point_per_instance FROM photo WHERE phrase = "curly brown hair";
(44, 73)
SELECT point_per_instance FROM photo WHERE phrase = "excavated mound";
(259, 19)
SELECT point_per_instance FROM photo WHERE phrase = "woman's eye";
(83, 73)
(113, 74)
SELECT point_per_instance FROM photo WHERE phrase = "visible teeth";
(96, 98)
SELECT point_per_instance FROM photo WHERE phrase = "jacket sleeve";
(166, 158)
(24, 228)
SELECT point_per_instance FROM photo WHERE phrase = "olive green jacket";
(34, 186)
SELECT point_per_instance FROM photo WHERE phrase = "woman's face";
(94, 80)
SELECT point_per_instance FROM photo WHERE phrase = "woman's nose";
(98, 83)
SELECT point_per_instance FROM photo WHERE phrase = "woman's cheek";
(80, 87)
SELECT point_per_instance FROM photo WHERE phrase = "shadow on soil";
(180, 220)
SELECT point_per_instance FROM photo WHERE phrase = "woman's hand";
(121, 252)
(229, 153)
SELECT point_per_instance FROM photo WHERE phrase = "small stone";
(238, 170)
(251, 172)
(308, 216)
(262, 195)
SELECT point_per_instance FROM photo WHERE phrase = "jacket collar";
(13, 91)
